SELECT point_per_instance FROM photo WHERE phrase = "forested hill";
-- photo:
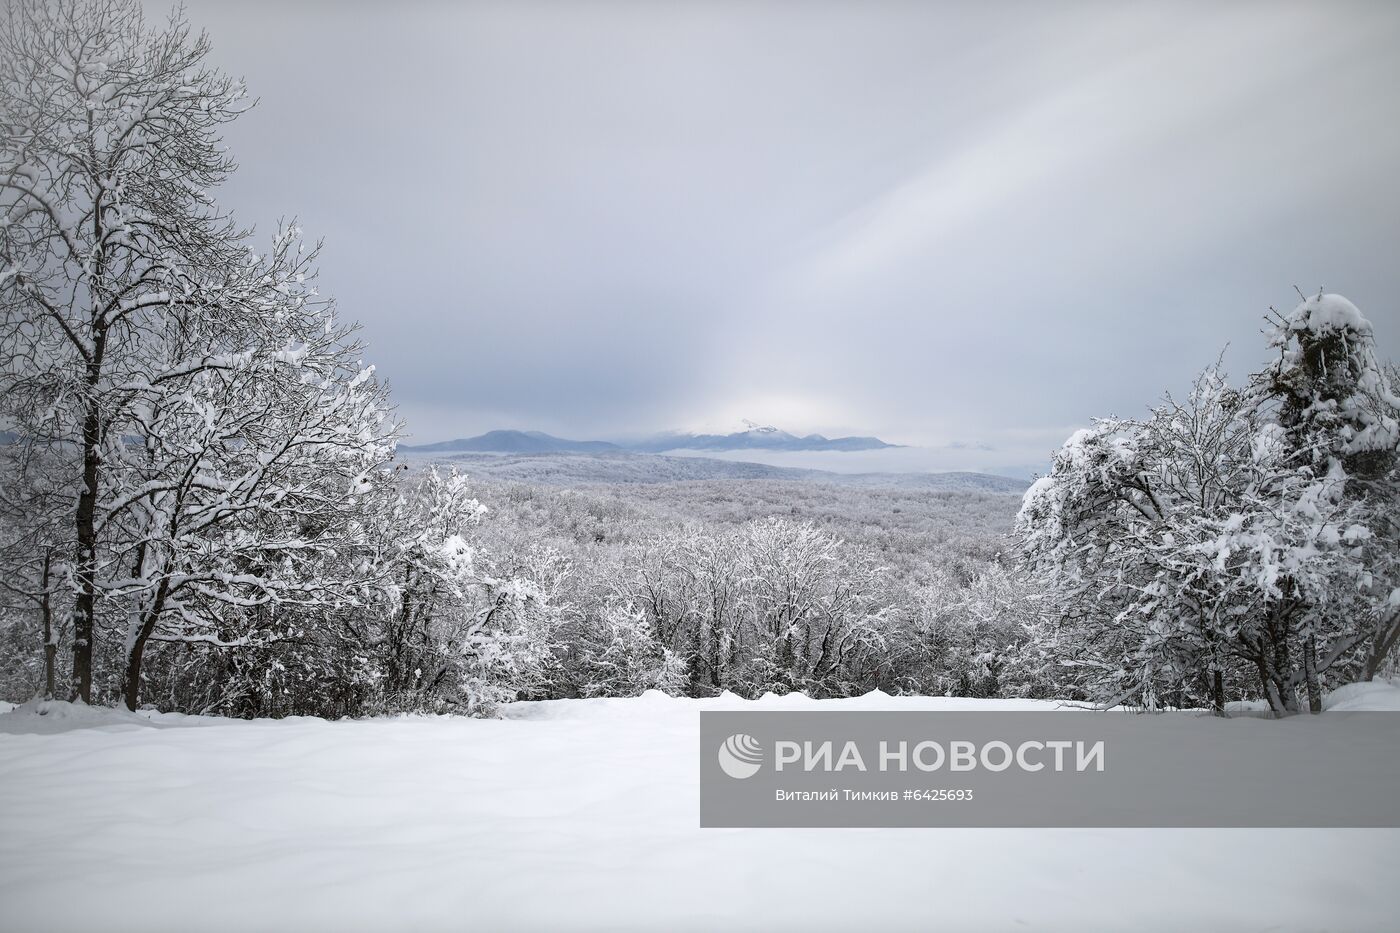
(568, 469)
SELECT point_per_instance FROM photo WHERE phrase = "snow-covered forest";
(203, 511)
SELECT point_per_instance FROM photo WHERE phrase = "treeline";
(557, 593)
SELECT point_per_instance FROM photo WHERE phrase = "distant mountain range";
(757, 437)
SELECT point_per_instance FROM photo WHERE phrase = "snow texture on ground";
(580, 815)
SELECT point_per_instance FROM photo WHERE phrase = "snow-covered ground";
(580, 815)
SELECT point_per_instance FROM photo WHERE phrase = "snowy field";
(580, 815)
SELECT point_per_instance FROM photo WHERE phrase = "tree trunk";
(50, 645)
(84, 608)
(136, 647)
(1283, 698)
(1310, 674)
(85, 569)
(1277, 690)
(716, 653)
(1215, 674)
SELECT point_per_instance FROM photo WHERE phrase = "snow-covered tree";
(1339, 414)
(427, 568)
(974, 638)
(617, 653)
(1111, 527)
(811, 605)
(236, 490)
(214, 414)
(1229, 530)
(769, 605)
(452, 627)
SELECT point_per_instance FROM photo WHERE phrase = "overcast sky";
(970, 224)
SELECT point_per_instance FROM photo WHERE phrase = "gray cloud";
(943, 223)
